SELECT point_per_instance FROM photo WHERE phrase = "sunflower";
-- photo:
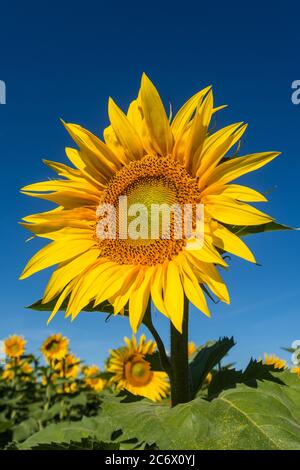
(8, 374)
(14, 346)
(92, 378)
(11, 369)
(152, 160)
(296, 370)
(275, 361)
(191, 348)
(133, 373)
(68, 367)
(55, 347)
(68, 388)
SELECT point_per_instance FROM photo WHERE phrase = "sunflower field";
(146, 219)
(58, 402)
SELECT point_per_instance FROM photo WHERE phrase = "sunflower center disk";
(146, 195)
(138, 372)
(53, 346)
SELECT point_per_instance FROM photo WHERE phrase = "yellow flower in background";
(67, 388)
(26, 367)
(274, 361)
(68, 367)
(21, 368)
(208, 379)
(55, 347)
(296, 370)
(92, 379)
(150, 160)
(133, 373)
(14, 346)
(8, 374)
(191, 348)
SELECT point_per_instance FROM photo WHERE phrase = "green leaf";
(25, 429)
(242, 231)
(4, 426)
(105, 307)
(266, 417)
(229, 378)
(83, 444)
(206, 358)
(155, 361)
(66, 432)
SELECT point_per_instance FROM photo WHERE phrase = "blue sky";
(64, 59)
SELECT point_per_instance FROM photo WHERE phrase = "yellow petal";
(186, 111)
(198, 133)
(229, 211)
(111, 281)
(213, 280)
(112, 141)
(155, 117)
(122, 298)
(216, 147)
(242, 193)
(157, 289)
(88, 171)
(60, 301)
(67, 199)
(207, 254)
(125, 132)
(54, 253)
(235, 167)
(173, 296)
(94, 153)
(139, 299)
(228, 241)
(134, 116)
(191, 287)
(87, 287)
(68, 271)
(62, 170)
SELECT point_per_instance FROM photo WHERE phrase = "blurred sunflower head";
(55, 347)
(152, 160)
(21, 368)
(26, 370)
(14, 346)
(296, 370)
(191, 348)
(273, 360)
(92, 378)
(8, 374)
(67, 388)
(133, 372)
(68, 367)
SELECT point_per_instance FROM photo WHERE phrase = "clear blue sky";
(63, 59)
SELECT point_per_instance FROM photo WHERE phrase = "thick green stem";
(180, 372)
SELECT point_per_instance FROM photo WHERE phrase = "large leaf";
(266, 417)
(84, 444)
(229, 378)
(25, 429)
(75, 431)
(206, 358)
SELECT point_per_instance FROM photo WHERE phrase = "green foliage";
(265, 417)
(229, 378)
(206, 358)
(255, 408)
(242, 231)
(49, 306)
